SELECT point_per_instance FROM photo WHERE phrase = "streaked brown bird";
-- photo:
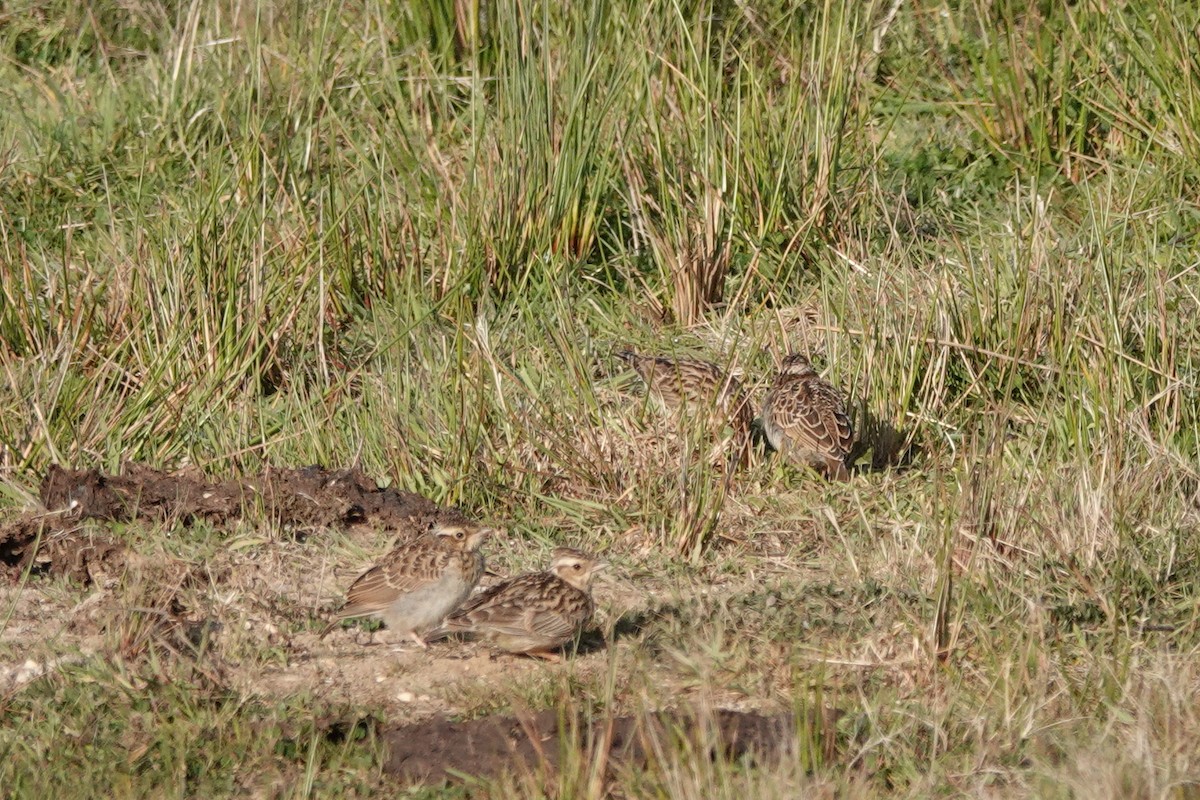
(536, 613)
(804, 417)
(697, 388)
(414, 587)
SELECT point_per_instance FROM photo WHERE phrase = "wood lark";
(804, 418)
(415, 586)
(536, 613)
(691, 386)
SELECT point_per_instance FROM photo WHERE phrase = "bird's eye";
(578, 567)
(460, 535)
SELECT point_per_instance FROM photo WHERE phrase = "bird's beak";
(483, 534)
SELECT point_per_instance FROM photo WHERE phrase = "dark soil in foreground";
(303, 500)
(439, 750)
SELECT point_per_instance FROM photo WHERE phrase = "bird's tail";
(443, 631)
(327, 629)
(627, 355)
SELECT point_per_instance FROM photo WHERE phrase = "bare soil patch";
(441, 750)
(301, 500)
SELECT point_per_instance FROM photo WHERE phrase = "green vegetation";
(409, 236)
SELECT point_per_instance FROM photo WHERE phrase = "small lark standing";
(415, 586)
(535, 613)
(804, 418)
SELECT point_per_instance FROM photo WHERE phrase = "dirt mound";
(310, 497)
(301, 500)
(40, 543)
(439, 750)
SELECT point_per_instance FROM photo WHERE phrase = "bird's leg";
(416, 637)
(546, 655)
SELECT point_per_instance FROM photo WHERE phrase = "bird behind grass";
(696, 389)
(804, 418)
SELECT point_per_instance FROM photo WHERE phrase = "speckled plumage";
(804, 417)
(414, 587)
(535, 613)
(698, 388)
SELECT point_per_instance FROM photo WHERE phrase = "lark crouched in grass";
(697, 389)
(804, 418)
(415, 586)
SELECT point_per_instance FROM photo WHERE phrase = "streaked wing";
(813, 417)
(563, 620)
(836, 421)
(530, 622)
(672, 382)
(499, 604)
(689, 380)
(523, 606)
(401, 571)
